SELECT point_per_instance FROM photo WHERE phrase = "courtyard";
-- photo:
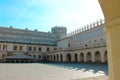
(51, 71)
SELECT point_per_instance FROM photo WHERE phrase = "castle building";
(83, 45)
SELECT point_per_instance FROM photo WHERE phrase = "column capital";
(111, 10)
(112, 25)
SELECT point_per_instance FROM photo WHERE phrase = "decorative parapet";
(87, 27)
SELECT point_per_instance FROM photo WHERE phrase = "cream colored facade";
(83, 45)
(17, 45)
(35, 51)
(112, 31)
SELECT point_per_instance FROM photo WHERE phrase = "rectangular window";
(55, 48)
(3, 55)
(34, 56)
(30, 48)
(0, 47)
(3, 47)
(69, 45)
(15, 47)
(39, 56)
(34, 48)
(39, 48)
(20, 48)
(48, 49)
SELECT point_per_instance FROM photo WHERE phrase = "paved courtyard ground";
(51, 71)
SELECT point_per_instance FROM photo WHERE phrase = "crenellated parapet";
(87, 27)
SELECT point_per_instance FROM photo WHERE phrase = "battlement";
(87, 27)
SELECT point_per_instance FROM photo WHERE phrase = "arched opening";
(48, 59)
(54, 58)
(76, 57)
(97, 57)
(105, 56)
(51, 57)
(81, 57)
(68, 58)
(88, 57)
(57, 58)
(61, 58)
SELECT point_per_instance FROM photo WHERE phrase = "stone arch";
(68, 57)
(105, 56)
(81, 57)
(57, 58)
(54, 58)
(76, 57)
(47, 57)
(97, 57)
(88, 57)
(51, 57)
(61, 58)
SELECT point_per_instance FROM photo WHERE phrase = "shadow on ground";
(82, 66)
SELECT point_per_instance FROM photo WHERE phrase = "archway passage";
(105, 56)
(81, 57)
(54, 58)
(97, 57)
(61, 58)
(68, 58)
(57, 58)
(88, 57)
(48, 58)
(51, 57)
(76, 57)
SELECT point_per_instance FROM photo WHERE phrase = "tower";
(59, 31)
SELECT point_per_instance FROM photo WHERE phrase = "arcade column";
(111, 10)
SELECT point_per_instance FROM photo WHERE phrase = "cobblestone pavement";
(51, 71)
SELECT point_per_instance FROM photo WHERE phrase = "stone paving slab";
(50, 71)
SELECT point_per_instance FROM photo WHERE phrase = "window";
(48, 49)
(3, 55)
(15, 47)
(89, 41)
(55, 48)
(30, 48)
(34, 48)
(3, 47)
(39, 48)
(101, 40)
(94, 40)
(86, 45)
(39, 56)
(21, 48)
(69, 45)
(0, 47)
(34, 56)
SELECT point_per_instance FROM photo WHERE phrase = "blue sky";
(44, 14)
